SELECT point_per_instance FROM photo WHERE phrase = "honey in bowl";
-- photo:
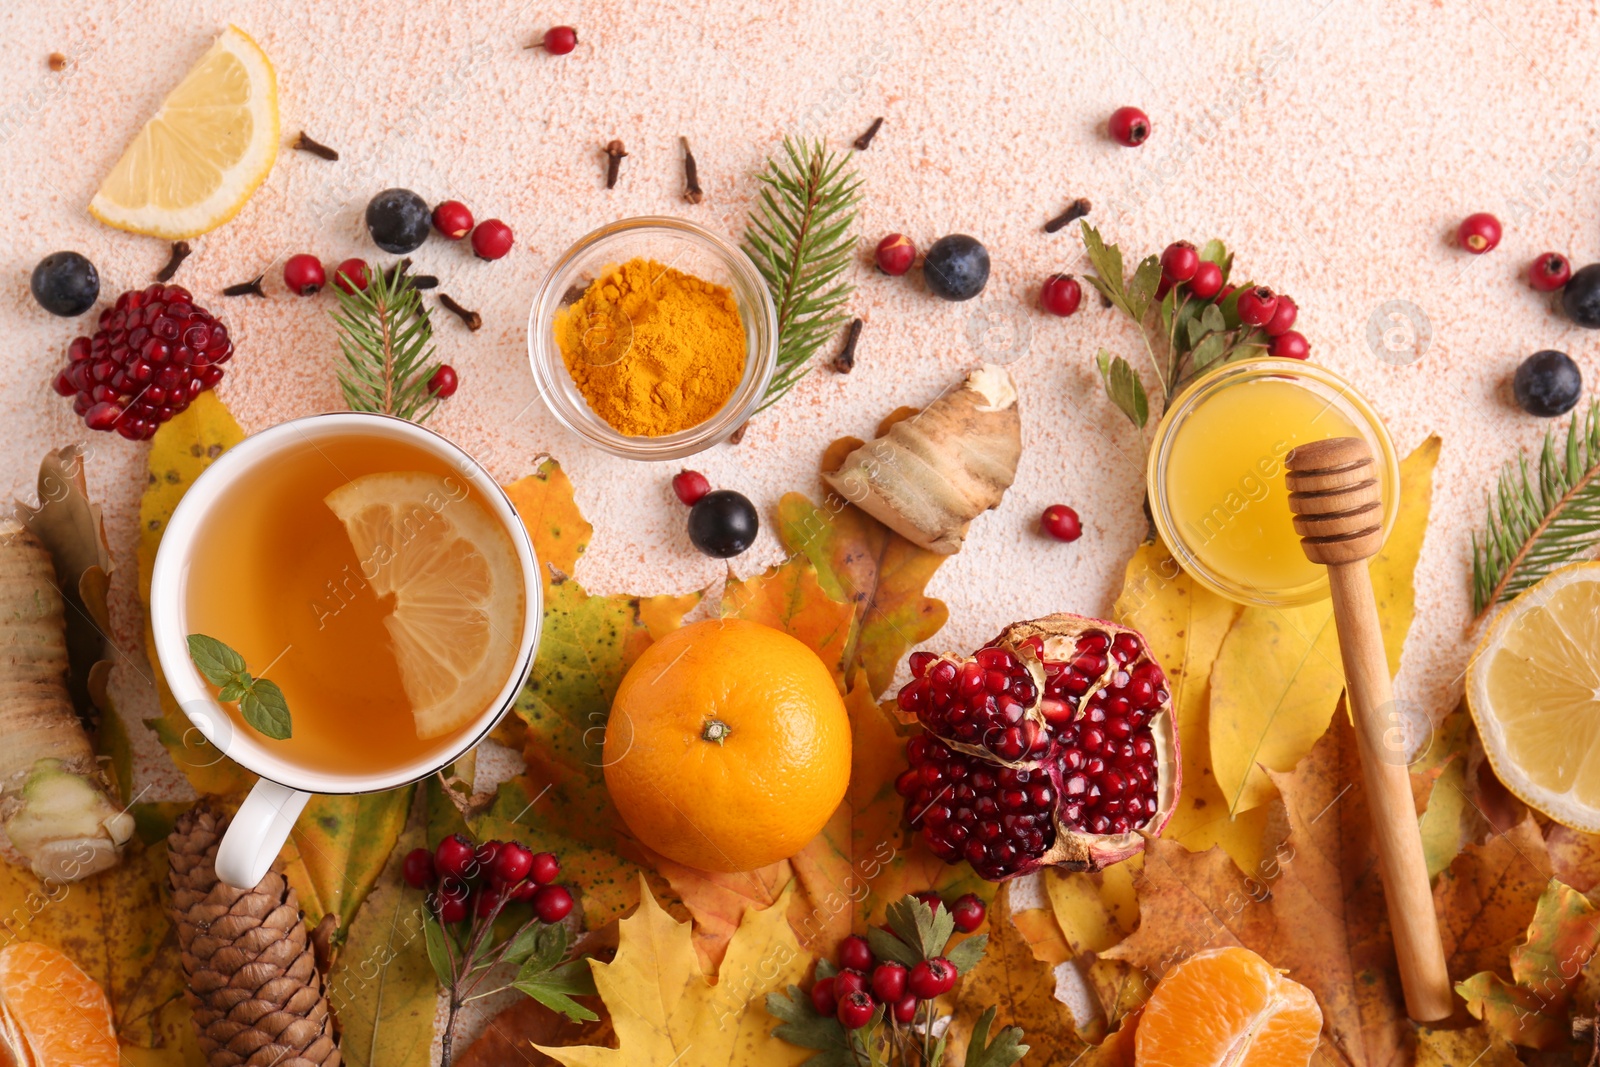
(372, 583)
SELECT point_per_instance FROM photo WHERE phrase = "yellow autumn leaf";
(1277, 677)
(1185, 624)
(666, 1010)
(1095, 911)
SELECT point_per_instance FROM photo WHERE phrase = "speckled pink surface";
(1333, 146)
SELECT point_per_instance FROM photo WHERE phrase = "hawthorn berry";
(491, 239)
(552, 903)
(444, 382)
(1129, 127)
(351, 275)
(486, 855)
(453, 856)
(1549, 272)
(690, 486)
(453, 219)
(895, 254)
(1060, 295)
(1283, 317)
(1061, 523)
(303, 274)
(1479, 233)
(933, 900)
(1179, 261)
(523, 891)
(1207, 280)
(559, 40)
(822, 997)
(1289, 345)
(849, 981)
(1257, 306)
(855, 953)
(889, 982)
(512, 864)
(418, 868)
(545, 868)
(905, 1010)
(855, 1011)
(451, 901)
(487, 899)
(931, 978)
(968, 912)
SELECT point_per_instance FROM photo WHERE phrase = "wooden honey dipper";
(1338, 513)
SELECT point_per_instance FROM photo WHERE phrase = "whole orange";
(728, 746)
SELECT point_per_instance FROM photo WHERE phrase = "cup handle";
(257, 833)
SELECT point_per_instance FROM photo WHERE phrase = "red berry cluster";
(862, 983)
(155, 351)
(481, 879)
(1257, 306)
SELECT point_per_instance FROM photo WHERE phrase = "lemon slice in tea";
(196, 162)
(457, 588)
(1534, 690)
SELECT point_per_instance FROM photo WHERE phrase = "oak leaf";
(665, 1008)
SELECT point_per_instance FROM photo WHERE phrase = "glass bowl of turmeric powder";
(653, 338)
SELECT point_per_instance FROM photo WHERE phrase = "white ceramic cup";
(264, 821)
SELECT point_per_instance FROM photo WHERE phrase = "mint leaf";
(1003, 1051)
(233, 691)
(264, 708)
(556, 988)
(219, 663)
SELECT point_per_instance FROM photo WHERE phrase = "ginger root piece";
(931, 474)
(53, 800)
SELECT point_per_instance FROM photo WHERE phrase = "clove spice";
(304, 143)
(614, 155)
(471, 318)
(180, 252)
(738, 435)
(1075, 211)
(57, 61)
(845, 361)
(249, 288)
(865, 140)
(424, 281)
(691, 175)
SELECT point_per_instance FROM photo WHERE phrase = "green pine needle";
(799, 238)
(1536, 524)
(386, 341)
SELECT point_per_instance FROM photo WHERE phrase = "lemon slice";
(457, 588)
(198, 160)
(1534, 690)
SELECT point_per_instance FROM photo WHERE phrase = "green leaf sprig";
(260, 700)
(1183, 336)
(1536, 523)
(799, 238)
(386, 346)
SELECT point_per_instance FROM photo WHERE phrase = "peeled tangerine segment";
(1228, 1007)
(51, 1013)
(1534, 689)
(457, 588)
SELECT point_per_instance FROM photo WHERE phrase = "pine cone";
(252, 977)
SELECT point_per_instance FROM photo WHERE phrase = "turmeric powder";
(653, 350)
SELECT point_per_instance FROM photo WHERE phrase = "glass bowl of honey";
(653, 338)
(1216, 475)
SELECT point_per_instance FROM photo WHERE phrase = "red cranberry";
(444, 382)
(552, 903)
(855, 953)
(1257, 306)
(1129, 127)
(1478, 233)
(690, 486)
(303, 274)
(855, 1011)
(559, 40)
(1290, 345)
(1283, 317)
(889, 982)
(453, 219)
(351, 275)
(453, 856)
(491, 240)
(905, 1011)
(1207, 280)
(895, 254)
(1549, 272)
(418, 868)
(512, 864)
(849, 981)
(1061, 295)
(968, 912)
(1179, 261)
(822, 997)
(931, 978)
(545, 868)
(1061, 522)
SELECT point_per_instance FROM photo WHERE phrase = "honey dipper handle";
(1388, 783)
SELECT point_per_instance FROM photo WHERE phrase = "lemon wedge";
(457, 588)
(198, 160)
(1534, 690)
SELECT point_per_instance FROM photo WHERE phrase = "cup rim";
(549, 368)
(1160, 450)
(168, 609)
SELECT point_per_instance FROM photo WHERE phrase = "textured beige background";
(1334, 146)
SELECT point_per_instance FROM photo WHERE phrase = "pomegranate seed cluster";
(155, 351)
(1039, 751)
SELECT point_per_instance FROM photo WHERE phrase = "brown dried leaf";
(1486, 899)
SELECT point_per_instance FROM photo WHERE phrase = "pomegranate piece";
(1054, 745)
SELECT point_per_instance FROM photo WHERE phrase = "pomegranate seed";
(1207, 280)
(1060, 295)
(1283, 317)
(351, 275)
(855, 953)
(559, 40)
(855, 1010)
(552, 903)
(1549, 272)
(417, 869)
(1179, 261)
(1479, 233)
(492, 239)
(895, 254)
(1257, 306)
(822, 997)
(444, 382)
(1291, 345)
(453, 219)
(690, 486)
(1061, 523)
(1129, 127)
(303, 274)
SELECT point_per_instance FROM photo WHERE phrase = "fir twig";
(386, 345)
(1536, 524)
(799, 238)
